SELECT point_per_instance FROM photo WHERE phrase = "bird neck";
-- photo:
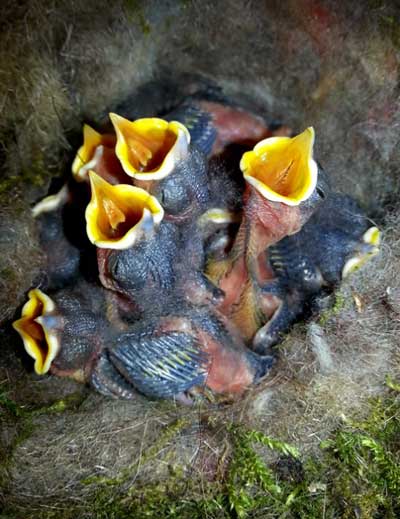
(267, 222)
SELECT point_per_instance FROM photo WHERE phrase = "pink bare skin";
(264, 223)
(237, 126)
(229, 370)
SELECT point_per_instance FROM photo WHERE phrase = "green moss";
(69, 402)
(11, 406)
(134, 12)
(340, 303)
(33, 172)
(17, 418)
(27, 177)
(8, 273)
(21, 420)
(251, 484)
(392, 384)
(354, 474)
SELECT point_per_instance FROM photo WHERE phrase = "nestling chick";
(140, 254)
(158, 156)
(62, 257)
(283, 190)
(162, 356)
(168, 355)
(97, 154)
(336, 240)
(214, 125)
(64, 332)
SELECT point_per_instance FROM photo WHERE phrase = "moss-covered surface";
(22, 420)
(354, 474)
(338, 304)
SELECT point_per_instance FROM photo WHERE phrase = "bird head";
(39, 327)
(282, 169)
(90, 153)
(149, 148)
(118, 216)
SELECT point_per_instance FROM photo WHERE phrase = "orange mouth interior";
(147, 150)
(86, 153)
(41, 347)
(149, 145)
(115, 212)
(282, 168)
(115, 217)
(279, 169)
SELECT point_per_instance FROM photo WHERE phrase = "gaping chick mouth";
(38, 331)
(118, 215)
(282, 169)
(149, 148)
(87, 156)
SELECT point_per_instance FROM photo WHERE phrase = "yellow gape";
(40, 341)
(149, 148)
(85, 159)
(282, 169)
(117, 216)
(371, 240)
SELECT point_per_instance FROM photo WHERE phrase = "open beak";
(368, 248)
(38, 331)
(88, 155)
(282, 169)
(117, 216)
(149, 148)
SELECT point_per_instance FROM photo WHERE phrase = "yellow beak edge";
(149, 148)
(371, 238)
(87, 156)
(118, 215)
(282, 169)
(40, 342)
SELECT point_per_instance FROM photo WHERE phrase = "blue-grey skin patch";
(160, 366)
(167, 363)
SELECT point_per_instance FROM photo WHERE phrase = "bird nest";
(66, 451)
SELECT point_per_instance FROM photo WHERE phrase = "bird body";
(64, 331)
(277, 202)
(336, 239)
(167, 355)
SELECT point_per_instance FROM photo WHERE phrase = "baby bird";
(135, 248)
(215, 125)
(163, 356)
(62, 256)
(284, 187)
(97, 154)
(169, 355)
(336, 241)
(158, 157)
(141, 255)
(64, 331)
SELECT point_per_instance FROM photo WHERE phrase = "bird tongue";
(140, 151)
(114, 214)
